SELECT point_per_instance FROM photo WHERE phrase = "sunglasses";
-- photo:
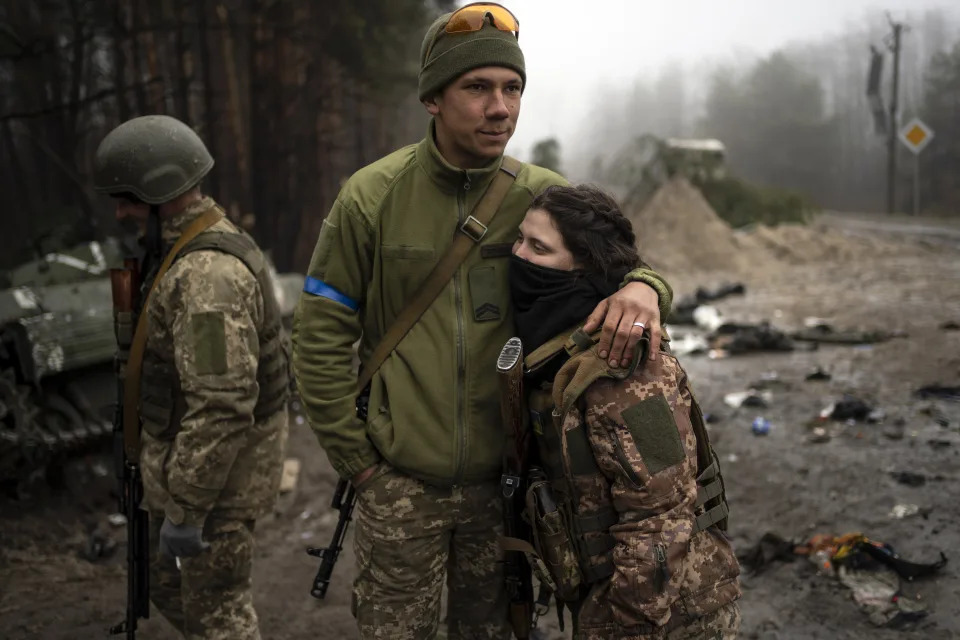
(472, 17)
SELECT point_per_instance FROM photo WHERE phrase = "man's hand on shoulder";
(624, 317)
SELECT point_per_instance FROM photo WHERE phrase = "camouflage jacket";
(665, 570)
(208, 453)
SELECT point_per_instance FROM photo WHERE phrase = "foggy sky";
(574, 48)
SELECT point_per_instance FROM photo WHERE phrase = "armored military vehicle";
(57, 344)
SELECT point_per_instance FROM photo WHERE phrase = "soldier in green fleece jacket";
(426, 464)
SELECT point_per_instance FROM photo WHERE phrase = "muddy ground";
(780, 482)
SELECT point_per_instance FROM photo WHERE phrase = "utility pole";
(893, 127)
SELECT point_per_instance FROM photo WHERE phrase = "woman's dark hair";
(594, 229)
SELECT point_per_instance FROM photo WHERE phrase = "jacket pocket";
(161, 406)
(404, 268)
(488, 292)
(645, 584)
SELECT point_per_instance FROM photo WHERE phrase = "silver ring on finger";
(639, 324)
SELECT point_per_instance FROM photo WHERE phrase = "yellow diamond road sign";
(916, 135)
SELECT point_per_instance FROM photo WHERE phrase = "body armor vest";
(162, 404)
(568, 497)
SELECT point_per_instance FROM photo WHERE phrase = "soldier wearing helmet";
(214, 380)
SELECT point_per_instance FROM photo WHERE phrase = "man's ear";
(430, 104)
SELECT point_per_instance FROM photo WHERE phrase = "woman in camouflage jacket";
(642, 503)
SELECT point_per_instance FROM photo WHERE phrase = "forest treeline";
(292, 97)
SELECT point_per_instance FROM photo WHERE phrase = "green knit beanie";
(453, 54)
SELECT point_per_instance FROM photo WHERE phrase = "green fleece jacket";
(434, 405)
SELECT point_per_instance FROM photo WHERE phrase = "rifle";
(328, 555)
(124, 285)
(518, 579)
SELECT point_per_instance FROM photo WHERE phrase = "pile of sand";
(680, 234)
(678, 231)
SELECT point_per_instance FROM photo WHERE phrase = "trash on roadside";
(760, 426)
(712, 418)
(950, 325)
(291, 473)
(117, 519)
(873, 572)
(902, 511)
(939, 392)
(689, 344)
(847, 408)
(747, 338)
(909, 478)
(684, 308)
(770, 548)
(818, 435)
(748, 398)
(732, 457)
(99, 545)
(707, 318)
(818, 374)
(827, 334)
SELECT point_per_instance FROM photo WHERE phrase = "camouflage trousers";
(722, 624)
(410, 537)
(208, 597)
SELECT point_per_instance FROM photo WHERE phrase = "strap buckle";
(473, 228)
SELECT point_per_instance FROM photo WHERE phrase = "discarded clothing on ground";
(873, 571)
(938, 391)
(826, 333)
(743, 338)
(683, 309)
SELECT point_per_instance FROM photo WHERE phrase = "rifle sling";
(131, 383)
(467, 237)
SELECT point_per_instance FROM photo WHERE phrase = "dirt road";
(780, 482)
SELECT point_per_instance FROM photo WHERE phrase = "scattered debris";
(902, 511)
(291, 473)
(712, 418)
(685, 310)
(117, 519)
(848, 408)
(771, 547)
(939, 444)
(99, 545)
(873, 572)
(760, 426)
(938, 391)
(950, 325)
(746, 338)
(818, 435)
(707, 318)
(818, 374)
(909, 478)
(689, 344)
(826, 334)
(748, 398)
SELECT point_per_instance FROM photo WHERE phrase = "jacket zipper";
(625, 462)
(661, 573)
(459, 423)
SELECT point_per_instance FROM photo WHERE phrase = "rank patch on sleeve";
(655, 433)
(209, 343)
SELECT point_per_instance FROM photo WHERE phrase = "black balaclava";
(547, 301)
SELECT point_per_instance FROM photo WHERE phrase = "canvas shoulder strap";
(471, 232)
(131, 385)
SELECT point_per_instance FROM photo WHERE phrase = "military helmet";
(155, 158)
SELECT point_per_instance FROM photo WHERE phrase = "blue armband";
(320, 288)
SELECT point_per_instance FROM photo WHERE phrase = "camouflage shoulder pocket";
(209, 343)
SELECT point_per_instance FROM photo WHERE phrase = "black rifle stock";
(124, 286)
(344, 499)
(518, 578)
